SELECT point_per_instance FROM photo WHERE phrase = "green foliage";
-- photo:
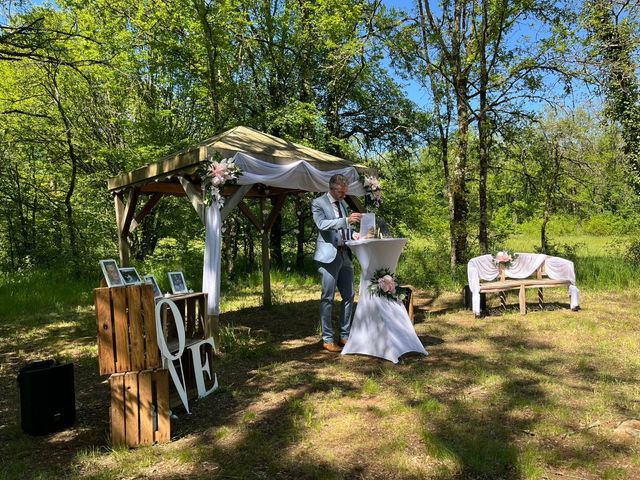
(425, 265)
(603, 224)
(171, 255)
(564, 250)
(29, 293)
(632, 255)
(120, 89)
(613, 40)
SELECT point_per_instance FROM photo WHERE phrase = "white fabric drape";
(212, 253)
(298, 175)
(381, 327)
(556, 268)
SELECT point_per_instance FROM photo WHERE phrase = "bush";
(425, 265)
(173, 256)
(602, 224)
(632, 255)
(502, 226)
(564, 250)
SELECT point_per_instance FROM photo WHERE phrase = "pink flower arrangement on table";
(383, 283)
(387, 284)
(216, 174)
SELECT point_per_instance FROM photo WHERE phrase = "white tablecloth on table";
(525, 264)
(381, 327)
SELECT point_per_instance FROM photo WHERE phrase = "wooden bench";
(408, 300)
(505, 284)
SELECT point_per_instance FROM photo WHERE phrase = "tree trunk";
(234, 232)
(212, 62)
(11, 238)
(454, 70)
(458, 184)
(483, 138)
(544, 244)
(71, 228)
(552, 186)
(250, 254)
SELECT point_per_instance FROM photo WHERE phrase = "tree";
(613, 36)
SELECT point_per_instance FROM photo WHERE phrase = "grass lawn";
(552, 394)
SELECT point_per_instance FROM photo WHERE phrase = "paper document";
(368, 226)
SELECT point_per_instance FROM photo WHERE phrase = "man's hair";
(338, 180)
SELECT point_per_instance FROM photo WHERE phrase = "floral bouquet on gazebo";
(217, 173)
(373, 190)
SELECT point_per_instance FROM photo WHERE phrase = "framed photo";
(178, 285)
(157, 293)
(130, 276)
(111, 273)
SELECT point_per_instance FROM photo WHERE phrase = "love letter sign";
(169, 357)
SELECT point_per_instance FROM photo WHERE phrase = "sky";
(531, 30)
(413, 90)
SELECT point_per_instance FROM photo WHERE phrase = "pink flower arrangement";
(372, 183)
(504, 258)
(216, 173)
(387, 284)
(373, 189)
(383, 283)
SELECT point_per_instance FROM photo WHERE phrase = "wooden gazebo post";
(123, 242)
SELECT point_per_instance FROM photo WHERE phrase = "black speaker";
(47, 397)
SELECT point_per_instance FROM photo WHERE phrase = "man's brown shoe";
(332, 347)
(343, 341)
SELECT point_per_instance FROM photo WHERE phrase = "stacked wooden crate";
(128, 351)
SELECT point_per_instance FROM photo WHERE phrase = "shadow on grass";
(65, 338)
(479, 422)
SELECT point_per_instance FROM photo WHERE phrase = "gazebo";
(272, 168)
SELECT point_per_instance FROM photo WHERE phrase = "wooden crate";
(140, 408)
(193, 308)
(127, 338)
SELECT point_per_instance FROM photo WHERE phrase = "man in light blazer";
(334, 258)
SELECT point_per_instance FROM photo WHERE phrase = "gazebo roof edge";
(238, 139)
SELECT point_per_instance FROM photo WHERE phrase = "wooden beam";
(152, 202)
(266, 264)
(195, 196)
(522, 299)
(233, 200)
(130, 209)
(244, 208)
(164, 187)
(123, 244)
(277, 208)
(186, 159)
(355, 204)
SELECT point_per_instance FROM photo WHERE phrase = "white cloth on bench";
(525, 265)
